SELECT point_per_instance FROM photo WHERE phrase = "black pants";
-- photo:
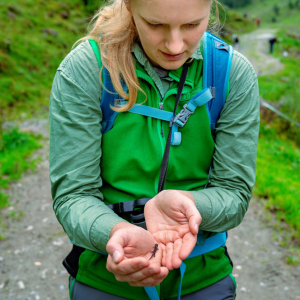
(221, 290)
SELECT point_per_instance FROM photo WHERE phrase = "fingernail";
(197, 227)
(141, 265)
(116, 256)
(151, 271)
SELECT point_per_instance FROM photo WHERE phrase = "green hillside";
(34, 38)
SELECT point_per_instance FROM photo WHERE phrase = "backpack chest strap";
(180, 119)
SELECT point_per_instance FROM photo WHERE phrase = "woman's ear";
(127, 4)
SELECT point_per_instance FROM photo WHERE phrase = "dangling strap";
(164, 164)
(212, 243)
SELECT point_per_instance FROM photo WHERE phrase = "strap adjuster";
(182, 117)
(213, 92)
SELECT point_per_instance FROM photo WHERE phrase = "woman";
(149, 44)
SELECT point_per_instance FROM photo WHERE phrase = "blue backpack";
(217, 57)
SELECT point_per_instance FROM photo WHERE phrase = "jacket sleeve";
(225, 201)
(75, 151)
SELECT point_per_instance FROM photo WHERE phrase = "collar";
(143, 60)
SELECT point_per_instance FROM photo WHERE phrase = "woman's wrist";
(187, 194)
(120, 225)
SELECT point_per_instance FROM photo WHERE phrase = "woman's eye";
(154, 25)
(192, 25)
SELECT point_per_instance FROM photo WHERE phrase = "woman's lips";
(172, 57)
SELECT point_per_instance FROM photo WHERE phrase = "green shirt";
(75, 149)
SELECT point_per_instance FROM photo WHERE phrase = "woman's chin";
(171, 64)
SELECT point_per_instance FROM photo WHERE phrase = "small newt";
(154, 251)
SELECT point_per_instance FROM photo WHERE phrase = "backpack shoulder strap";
(109, 94)
(96, 51)
(217, 57)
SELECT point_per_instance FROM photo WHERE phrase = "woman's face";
(170, 30)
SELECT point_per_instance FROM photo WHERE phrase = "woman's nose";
(174, 42)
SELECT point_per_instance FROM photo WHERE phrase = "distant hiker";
(245, 15)
(235, 42)
(147, 90)
(272, 41)
(258, 21)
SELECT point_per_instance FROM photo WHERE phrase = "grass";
(283, 88)
(278, 176)
(278, 186)
(16, 148)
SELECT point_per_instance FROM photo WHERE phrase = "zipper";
(161, 106)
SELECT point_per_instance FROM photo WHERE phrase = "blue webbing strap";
(151, 112)
(151, 292)
(200, 99)
(212, 243)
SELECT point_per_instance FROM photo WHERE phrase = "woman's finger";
(126, 266)
(115, 247)
(140, 275)
(163, 259)
(176, 260)
(188, 244)
(152, 280)
(193, 216)
(169, 254)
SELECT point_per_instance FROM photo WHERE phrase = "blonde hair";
(114, 30)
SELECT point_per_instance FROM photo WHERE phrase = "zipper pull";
(161, 105)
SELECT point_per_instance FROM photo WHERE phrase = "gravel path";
(30, 257)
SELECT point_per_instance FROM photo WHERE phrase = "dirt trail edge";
(31, 256)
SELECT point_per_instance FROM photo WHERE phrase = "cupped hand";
(129, 249)
(173, 219)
